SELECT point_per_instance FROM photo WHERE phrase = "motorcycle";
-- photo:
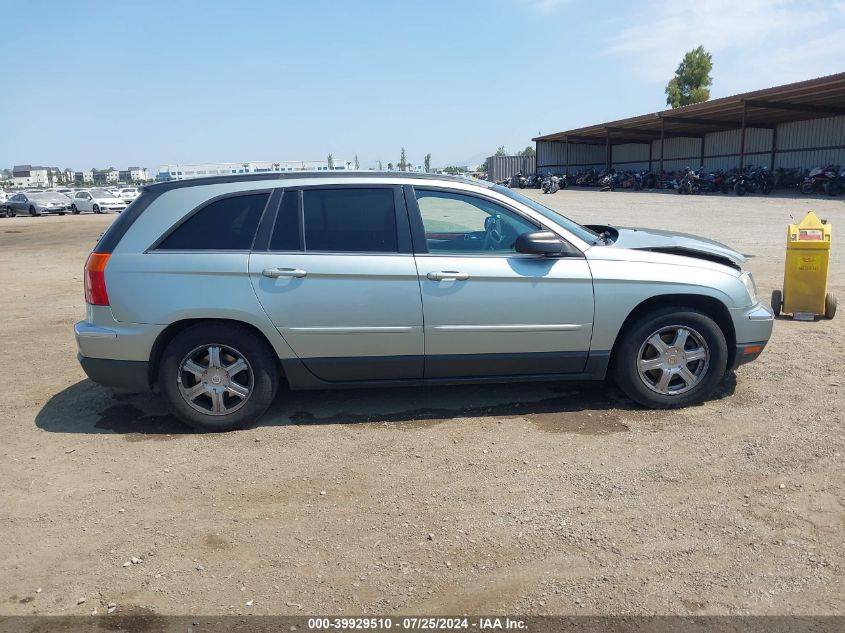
(817, 179)
(551, 184)
(835, 186)
(607, 180)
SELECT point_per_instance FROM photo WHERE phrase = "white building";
(29, 176)
(137, 174)
(176, 171)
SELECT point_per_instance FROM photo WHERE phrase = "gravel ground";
(537, 499)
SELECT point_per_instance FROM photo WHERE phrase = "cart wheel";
(829, 306)
(777, 301)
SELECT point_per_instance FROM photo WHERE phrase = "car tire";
(96, 209)
(704, 344)
(777, 302)
(32, 211)
(74, 210)
(259, 378)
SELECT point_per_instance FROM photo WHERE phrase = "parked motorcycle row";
(828, 180)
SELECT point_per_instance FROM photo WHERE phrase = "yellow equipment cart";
(805, 273)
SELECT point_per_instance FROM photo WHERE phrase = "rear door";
(338, 280)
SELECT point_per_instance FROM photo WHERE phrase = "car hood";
(672, 243)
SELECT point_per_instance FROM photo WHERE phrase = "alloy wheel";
(673, 360)
(215, 379)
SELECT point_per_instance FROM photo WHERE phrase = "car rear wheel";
(218, 378)
(670, 358)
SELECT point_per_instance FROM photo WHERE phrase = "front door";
(488, 310)
(337, 279)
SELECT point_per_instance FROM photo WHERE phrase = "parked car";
(65, 192)
(36, 203)
(96, 201)
(128, 194)
(211, 290)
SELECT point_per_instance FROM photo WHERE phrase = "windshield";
(573, 227)
(46, 196)
(102, 193)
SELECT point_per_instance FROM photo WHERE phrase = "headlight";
(747, 280)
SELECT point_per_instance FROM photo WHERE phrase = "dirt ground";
(526, 498)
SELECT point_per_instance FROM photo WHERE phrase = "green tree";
(452, 170)
(501, 151)
(691, 83)
(482, 167)
(389, 166)
(427, 163)
(330, 161)
(403, 162)
(357, 164)
(528, 151)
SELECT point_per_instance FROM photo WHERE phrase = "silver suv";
(213, 290)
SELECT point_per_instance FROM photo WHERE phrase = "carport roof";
(811, 99)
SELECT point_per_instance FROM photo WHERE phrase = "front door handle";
(275, 273)
(448, 274)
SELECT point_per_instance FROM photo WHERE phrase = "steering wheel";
(494, 233)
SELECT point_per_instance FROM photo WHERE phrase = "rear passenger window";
(286, 229)
(350, 220)
(227, 224)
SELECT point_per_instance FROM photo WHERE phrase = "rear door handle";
(448, 274)
(274, 273)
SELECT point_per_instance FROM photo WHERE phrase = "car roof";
(161, 187)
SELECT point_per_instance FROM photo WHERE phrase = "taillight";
(95, 279)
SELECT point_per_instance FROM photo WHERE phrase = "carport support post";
(606, 149)
(649, 155)
(662, 134)
(742, 136)
(567, 156)
(774, 148)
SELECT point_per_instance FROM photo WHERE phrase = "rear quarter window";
(226, 224)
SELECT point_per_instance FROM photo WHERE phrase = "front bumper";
(753, 328)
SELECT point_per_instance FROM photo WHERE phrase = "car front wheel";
(74, 210)
(218, 378)
(670, 358)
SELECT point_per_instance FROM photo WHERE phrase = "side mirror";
(541, 243)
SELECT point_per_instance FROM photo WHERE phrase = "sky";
(99, 84)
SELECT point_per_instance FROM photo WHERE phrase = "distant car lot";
(559, 498)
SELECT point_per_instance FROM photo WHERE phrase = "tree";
(453, 170)
(403, 163)
(427, 163)
(330, 161)
(528, 151)
(501, 151)
(389, 166)
(379, 166)
(482, 167)
(691, 83)
(357, 164)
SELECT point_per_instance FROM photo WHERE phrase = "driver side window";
(459, 223)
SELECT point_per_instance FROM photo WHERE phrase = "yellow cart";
(805, 294)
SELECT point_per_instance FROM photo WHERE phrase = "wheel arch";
(710, 306)
(172, 330)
